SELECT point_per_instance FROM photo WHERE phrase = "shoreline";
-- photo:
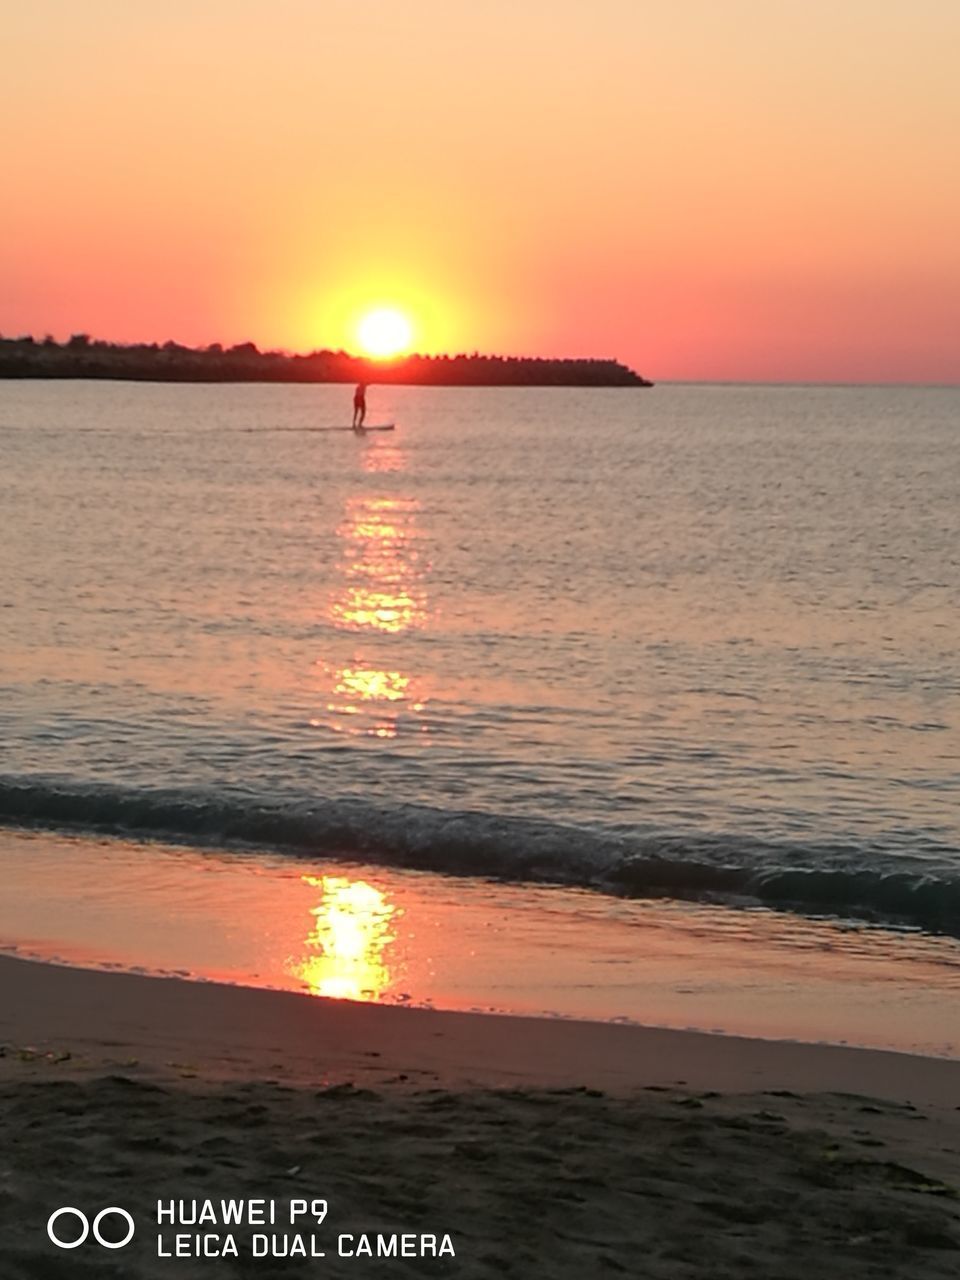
(421, 940)
(105, 1020)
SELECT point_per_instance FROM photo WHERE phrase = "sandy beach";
(534, 1147)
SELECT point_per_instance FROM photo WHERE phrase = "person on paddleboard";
(359, 405)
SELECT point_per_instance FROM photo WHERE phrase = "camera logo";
(85, 1227)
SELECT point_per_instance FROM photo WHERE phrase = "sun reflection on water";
(381, 595)
(347, 947)
(384, 456)
(382, 588)
(358, 693)
(386, 686)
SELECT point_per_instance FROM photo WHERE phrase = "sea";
(618, 703)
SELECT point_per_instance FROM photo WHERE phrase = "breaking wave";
(859, 880)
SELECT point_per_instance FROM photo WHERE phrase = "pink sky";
(742, 190)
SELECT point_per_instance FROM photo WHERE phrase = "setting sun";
(384, 333)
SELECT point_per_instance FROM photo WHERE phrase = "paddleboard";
(379, 426)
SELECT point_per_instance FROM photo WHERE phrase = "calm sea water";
(689, 640)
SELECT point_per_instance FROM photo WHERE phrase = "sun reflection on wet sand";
(347, 947)
(360, 932)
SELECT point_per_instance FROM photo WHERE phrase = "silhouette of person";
(359, 405)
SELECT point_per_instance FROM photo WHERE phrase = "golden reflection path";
(382, 594)
(383, 590)
(347, 947)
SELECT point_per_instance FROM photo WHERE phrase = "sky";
(746, 190)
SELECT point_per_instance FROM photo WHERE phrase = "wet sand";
(542, 1148)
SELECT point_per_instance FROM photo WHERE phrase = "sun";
(384, 333)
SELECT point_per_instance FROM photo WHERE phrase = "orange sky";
(743, 189)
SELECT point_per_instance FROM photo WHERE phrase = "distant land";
(85, 357)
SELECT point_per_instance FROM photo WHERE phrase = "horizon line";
(386, 362)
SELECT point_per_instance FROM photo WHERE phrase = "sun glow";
(385, 333)
(426, 312)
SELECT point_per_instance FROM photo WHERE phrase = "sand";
(540, 1148)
